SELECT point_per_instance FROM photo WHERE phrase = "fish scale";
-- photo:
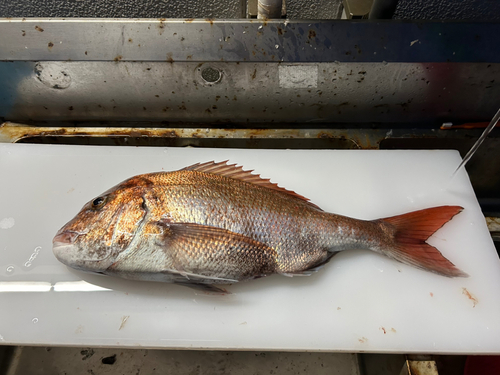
(257, 213)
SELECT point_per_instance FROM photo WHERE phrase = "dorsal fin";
(232, 171)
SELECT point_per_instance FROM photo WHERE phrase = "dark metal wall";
(249, 71)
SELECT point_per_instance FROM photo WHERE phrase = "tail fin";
(411, 231)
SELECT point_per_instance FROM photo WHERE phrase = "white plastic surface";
(360, 301)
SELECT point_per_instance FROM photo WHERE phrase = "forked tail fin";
(411, 232)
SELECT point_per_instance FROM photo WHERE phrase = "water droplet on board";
(7, 223)
(34, 320)
(10, 269)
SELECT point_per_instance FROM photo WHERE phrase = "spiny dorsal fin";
(232, 171)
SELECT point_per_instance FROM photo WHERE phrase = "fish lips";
(68, 251)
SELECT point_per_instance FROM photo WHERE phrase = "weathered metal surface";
(221, 92)
(357, 137)
(84, 361)
(420, 367)
(494, 227)
(247, 40)
(268, 9)
(313, 10)
(11, 133)
(297, 9)
(123, 8)
(357, 9)
(477, 10)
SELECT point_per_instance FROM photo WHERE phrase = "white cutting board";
(360, 302)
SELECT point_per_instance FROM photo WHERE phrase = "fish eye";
(98, 202)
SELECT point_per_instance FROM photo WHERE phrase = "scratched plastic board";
(360, 301)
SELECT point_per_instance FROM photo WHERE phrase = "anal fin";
(309, 271)
(209, 288)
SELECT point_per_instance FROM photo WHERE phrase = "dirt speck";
(109, 360)
(38, 28)
(51, 45)
(363, 340)
(118, 58)
(87, 353)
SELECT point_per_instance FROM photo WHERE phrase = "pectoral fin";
(217, 254)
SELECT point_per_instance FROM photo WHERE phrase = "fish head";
(104, 228)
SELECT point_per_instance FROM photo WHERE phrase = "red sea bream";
(215, 223)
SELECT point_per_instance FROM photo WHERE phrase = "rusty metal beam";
(360, 138)
(13, 132)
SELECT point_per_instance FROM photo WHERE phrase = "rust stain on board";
(470, 296)
(161, 26)
(363, 340)
(383, 329)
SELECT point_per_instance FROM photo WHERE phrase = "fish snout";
(65, 238)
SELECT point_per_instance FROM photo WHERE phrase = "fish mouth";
(68, 252)
(65, 238)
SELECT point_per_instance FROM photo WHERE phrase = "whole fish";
(215, 223)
